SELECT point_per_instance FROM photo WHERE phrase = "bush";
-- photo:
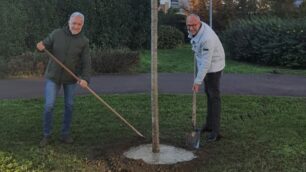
(169, 37)
(268, 41)
(12, 28)
(40, 63)
(3, 67)
(31, 21)
(174, 20)
(113, 61)
(9, 163)
(27, 64)
(103, 61)
(21, 64)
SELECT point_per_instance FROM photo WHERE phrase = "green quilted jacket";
(72, 51)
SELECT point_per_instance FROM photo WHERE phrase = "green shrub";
(3, 67)
(268, 41)
(13, 22)
(103, 61)
(169, 37)
(31, 21)
(26, 64)
(113, 61)
(40, 61)
(9, 163)
(21, 65)
(175, 20)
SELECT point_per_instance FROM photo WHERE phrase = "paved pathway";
(231, 84)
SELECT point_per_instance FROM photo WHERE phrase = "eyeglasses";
(191, 25)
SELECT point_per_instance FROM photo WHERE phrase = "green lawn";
(181, 60)
(261, 133)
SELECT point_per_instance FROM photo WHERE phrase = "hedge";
(267, 40)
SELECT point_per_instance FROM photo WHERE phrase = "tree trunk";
(154, 84)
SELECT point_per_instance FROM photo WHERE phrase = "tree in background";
(13, 23)
(225, 11)
(286, 8)
(115, 24)
(108, 24)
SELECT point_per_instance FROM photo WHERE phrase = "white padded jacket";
(208, 51)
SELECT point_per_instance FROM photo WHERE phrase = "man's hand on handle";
(40, 46)
(195, 87)
(83, 83)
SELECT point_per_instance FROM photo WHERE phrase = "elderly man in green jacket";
(71, 47)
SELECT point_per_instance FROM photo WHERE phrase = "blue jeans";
(51, 90)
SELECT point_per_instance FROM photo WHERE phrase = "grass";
(181, 60)
(261, 133)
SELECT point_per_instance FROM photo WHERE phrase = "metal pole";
(210, 13)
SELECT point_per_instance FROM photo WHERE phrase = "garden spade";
(193, 138)
(91, 91)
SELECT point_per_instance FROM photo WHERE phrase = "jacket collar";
(199, 35)
(68, 32)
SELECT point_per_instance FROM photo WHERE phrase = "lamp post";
(210, 13)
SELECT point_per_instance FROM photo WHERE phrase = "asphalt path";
(173, 83)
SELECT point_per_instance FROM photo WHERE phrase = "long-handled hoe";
(91, 91)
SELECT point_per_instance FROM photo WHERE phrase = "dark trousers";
(212, 90)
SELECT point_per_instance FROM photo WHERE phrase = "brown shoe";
(66, 139)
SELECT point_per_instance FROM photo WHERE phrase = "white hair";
(76, 14)
(194, 16)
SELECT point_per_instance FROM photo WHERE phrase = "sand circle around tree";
(167, 155)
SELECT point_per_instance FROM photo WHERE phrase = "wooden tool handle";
(91, 91)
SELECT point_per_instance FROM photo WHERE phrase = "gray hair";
(77, 14)
(194, 16)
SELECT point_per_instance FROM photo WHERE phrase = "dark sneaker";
(45, 141)
(66, 139)
(212, 137)
(206, 130)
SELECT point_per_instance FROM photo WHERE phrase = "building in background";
(164, 5)
(181, 5)
(175, 4)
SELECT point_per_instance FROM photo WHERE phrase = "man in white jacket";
(210, 60)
